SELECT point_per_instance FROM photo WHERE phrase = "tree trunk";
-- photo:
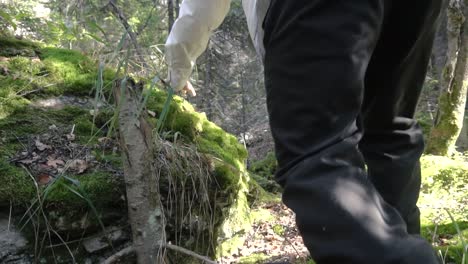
(453, 82)
(439, 51)
(133, 36)
(170, 15)
(144, 207)
(462, 141)
(209, 101)
(177, 7)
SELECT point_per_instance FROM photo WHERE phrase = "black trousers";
(343, 79)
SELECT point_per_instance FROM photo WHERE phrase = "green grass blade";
(165, 110)
(462, 239)
(123, 86)
(147, 94)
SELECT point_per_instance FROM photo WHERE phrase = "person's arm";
(190, 35)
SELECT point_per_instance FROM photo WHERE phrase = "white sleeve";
(190, 35)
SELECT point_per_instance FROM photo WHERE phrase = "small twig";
(189, 253)
(114, 258)
(30, 92)
(9, 216)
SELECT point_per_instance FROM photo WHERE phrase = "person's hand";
(188, 88)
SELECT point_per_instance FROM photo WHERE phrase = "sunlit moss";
(256, 258)
(444, 193)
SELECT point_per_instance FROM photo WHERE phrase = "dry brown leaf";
(79, 165)
(26, 161)
(43, 179)
(103, 139)
(54, 162)
(41, 146)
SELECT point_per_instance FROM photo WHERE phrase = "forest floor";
(273, 238)
(48, 129)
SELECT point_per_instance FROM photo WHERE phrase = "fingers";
(188, 88)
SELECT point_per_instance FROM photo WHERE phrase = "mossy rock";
(51, 71)
(229, 158)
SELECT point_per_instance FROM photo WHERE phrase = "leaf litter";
(277, 238)
(54, 152)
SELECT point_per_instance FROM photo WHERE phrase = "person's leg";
(392, 142)
(317, 52)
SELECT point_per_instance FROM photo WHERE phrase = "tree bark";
(177, 7)
(450, 113)
(170, 15)
(144, 206)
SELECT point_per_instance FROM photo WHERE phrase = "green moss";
(26, 121)
(73, 72)
(10, 47)
(425, 122)
(254, 258)
(226, 175)
(229, 170)
(10, 105)
(101, 188)
(279, 230)
(444, 190)
(447, 239)
(449, 123)
(195, 127)
(17, 187)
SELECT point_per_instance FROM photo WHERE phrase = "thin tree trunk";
(462, 141)
(209, 112)
(177, 7)
(133, 36)
(144, 206)
(170, 15)
(454, 82)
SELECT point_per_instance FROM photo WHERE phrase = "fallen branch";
(190, 253)
(117, 256)
(128, 250)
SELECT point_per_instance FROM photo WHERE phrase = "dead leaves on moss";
(53, 153)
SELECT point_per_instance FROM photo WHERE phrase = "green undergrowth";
(10, 46)
(443, 203)
(263, 172)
